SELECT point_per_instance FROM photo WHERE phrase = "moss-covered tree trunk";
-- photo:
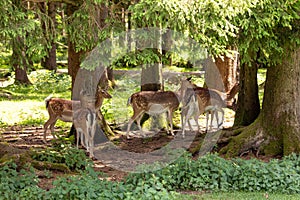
(276, 130)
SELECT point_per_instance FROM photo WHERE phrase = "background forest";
(45, 44)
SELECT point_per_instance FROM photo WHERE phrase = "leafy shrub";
(73, 158)
(43, 80)
(211, 172)
(18, 185)
(89, 186)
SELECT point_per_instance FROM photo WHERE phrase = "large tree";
(276, 39)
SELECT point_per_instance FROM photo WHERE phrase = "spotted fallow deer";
(152, 103)
(85, 121)
(199, 100)
(62, 109)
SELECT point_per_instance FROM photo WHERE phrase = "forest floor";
(112, 161)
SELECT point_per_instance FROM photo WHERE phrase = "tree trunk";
(74, 60)
(21, 75)
(50, 60)
(276, 130)
(151, 79)
(248, 106)
(213, 77)
(228, 67)
(73, 65)
(19, 61)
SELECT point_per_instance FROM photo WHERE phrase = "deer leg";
(197, 123)
(167, 124)
(183, 121)
(79, 134)
(222, 117)
(52, 129)
(212, 113)
(51, 122)
(131, 120)
(217, 118)
(186, 113)
(88, 122)
(207, 119)
(92, 135)
(169, 118)
(138, 121)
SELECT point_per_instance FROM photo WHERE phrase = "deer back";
(58, 105)
(209, 97)
(153, 100)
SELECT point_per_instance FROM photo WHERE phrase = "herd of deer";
(195, 101)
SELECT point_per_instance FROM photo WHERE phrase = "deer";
(85, 124)
(152, 103)
(209, 101)
(197, 101)
(63, 109)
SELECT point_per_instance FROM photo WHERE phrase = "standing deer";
(196, 101)
(62, 109)
(209, 101)
(85, 123)
(152, 103)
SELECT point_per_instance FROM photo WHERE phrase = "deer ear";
(189, 79)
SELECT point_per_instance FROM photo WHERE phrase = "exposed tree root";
(252, 138)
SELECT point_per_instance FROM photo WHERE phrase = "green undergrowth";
(24, 104)
(63, 152)
(44, 83)
(211, 175)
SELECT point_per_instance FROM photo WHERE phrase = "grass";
(26, 104)
(238, 196)
(22, 112)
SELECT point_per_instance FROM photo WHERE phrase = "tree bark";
(74, 57)
(248, 106)
(50, 60)
(74, 60)
(151, 79)
(19, 61)
(276, 130)
(228, 69)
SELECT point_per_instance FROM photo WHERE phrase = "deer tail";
(47, 100)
